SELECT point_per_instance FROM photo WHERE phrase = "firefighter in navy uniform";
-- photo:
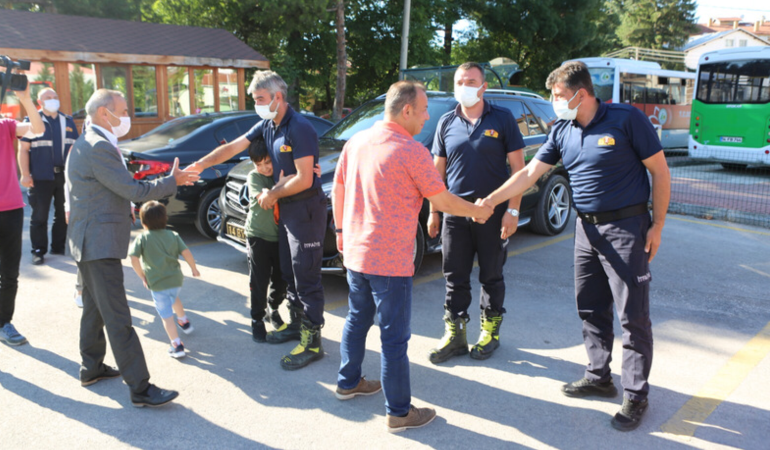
(293, 146)
(608, 150)
(473, 142)
(41, 161)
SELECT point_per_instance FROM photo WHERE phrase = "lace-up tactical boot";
(308, 350)
(454, 342)
(489, 339)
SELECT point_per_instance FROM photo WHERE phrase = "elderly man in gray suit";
(101, 190)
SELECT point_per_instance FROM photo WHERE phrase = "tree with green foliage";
(656, 24)
(537, 34)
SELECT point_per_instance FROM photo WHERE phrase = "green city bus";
(730, 121)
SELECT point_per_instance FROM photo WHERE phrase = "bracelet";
(338, 230)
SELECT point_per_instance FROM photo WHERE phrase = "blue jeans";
(391, 299)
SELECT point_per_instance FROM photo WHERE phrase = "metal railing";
(648, 54)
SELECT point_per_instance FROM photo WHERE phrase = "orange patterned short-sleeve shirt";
(385, 174)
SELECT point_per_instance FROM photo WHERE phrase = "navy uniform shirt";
(476, 154)
(48, 151)
(293, 139)
(604, 159)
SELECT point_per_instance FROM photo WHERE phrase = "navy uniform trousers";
(611, 268)
(301, 240)
(39, 198)
(462, 239)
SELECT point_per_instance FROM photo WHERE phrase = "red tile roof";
(727, 24)
(57, 32)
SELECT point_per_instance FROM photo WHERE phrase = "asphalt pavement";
(710, 374)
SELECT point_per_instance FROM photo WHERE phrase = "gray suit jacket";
(101, 191)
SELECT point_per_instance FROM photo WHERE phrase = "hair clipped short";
(573, 75)
(400, 94)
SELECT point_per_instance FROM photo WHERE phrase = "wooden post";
(215, 86)
(62, 86)
(241, 89)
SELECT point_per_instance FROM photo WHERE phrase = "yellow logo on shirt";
(491, 133)
(69, 129)
(606, 140)
(285, 149)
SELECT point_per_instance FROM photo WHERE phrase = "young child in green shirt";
(261, 229)
(155, 258)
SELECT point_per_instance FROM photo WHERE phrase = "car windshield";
(175, 130)
(365, 116)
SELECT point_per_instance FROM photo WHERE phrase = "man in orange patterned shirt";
(382, 176)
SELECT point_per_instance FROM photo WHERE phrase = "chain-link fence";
(720, 191)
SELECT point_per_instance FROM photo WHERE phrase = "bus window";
(745, 81)
(603, 80)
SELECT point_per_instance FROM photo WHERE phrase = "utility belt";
(619, 214)
(58, 169)
(310, 193)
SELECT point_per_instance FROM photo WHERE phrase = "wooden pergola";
(67, 49)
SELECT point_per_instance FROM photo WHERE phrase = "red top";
(10, 191)
(385, 174)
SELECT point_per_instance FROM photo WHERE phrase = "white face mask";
(122, 129)
(563, 111)
(467, 95)
(51, 105)
(264, 110)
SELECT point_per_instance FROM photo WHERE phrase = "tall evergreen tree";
(656, 24)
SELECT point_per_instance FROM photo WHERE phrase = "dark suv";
(190, 138)
(545, 207)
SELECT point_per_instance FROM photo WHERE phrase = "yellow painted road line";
(763, 233)
(695, 412)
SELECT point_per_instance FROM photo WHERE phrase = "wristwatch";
(513, 212)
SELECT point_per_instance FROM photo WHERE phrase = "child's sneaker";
(186, 326)
(258, 331)
(176, 351)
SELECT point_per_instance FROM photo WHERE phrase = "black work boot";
(585, 388)
(273, 317)
(630, 415)
(489, 339)
(308, 350)
(454, 342)
(287, 331)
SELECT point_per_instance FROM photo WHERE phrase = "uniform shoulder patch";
(491, 133)
(606, 140)
(285, 149)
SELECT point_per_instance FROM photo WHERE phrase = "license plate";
(736, 140)
(236, 232)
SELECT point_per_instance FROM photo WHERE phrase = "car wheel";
(553, 208)
(733, 166)
(419, 248)
(208, 220)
